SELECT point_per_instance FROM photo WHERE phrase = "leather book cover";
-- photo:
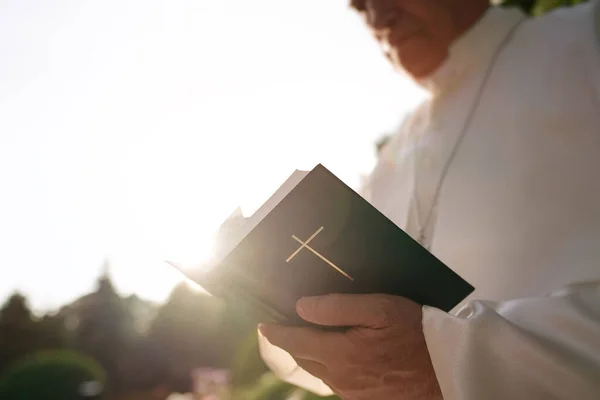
(321, 238)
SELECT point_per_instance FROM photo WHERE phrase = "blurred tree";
(267, 387)
(525, 5)
(16, 311)
(145, 367)
(53, 375)
(188, 329)
(21, 333)
(103, 327)
(538, 7)
(52, 332)
(17, 330)
(544, 6)
(248, 366)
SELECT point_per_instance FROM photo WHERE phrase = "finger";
(305, 343)
(313, 367)
(370, 311)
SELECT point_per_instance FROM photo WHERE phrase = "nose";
(359, 5)
(382, 18)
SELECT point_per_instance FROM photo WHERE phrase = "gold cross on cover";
(304, 245)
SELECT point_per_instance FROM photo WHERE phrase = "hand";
(382, 355)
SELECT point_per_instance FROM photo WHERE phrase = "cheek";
(419, 56)
(418, 46)
(416, 50)
(441, 27)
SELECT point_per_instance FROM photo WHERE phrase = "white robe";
(519, 211)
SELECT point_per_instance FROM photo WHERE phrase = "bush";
(55, 375)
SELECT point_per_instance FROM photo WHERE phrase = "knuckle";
(386, 308)
(280, 337)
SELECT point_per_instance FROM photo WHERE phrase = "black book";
(316, 236)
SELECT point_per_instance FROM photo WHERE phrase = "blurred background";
(129, 130)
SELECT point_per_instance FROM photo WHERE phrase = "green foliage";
(24, 333)
(539, 7)
(544, 6)
(104, 330)
(57, 375)
(268, 387)
(525, 5)
(187, 328)
(248, 366)
(310, 396)
(191, 330)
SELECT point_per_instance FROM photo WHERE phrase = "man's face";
(415, 34)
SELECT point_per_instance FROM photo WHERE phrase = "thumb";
(369, 311)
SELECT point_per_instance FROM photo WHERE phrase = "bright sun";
(189, 257)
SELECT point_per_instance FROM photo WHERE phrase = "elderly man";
(496, 174)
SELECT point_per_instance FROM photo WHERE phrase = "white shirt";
(518, 213)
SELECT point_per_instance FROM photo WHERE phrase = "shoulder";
(563, 26)
(556, 53)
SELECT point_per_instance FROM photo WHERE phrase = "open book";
(314, 236)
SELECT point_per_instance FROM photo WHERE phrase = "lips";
(396, 36)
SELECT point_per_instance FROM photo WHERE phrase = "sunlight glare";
(183, 122)
(191, 257)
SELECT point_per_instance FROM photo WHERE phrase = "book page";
(238, 233)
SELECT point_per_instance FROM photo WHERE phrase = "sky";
(129, 130)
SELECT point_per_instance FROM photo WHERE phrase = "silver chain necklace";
(422, 236)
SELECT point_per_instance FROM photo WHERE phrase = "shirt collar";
(474, 49)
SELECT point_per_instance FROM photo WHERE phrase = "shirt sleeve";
(534, 348)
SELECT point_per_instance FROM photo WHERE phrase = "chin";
(421, 68)
(421, 73)
(415, 73)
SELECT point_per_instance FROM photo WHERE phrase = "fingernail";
(261, 329)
